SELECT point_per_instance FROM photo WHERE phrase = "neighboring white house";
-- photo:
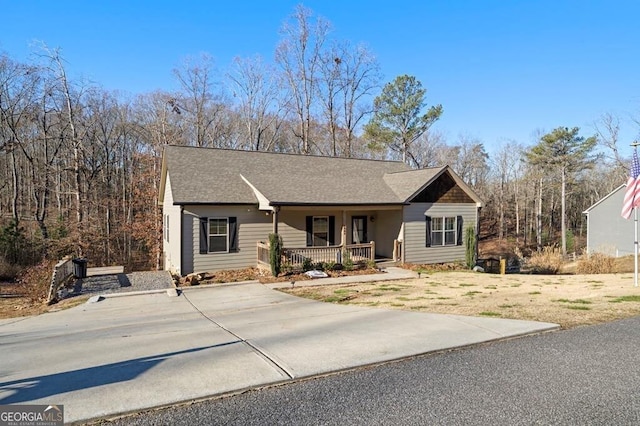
(607, 231)
(219, 207)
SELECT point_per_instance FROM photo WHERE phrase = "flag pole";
(635, 246)
(635, 234)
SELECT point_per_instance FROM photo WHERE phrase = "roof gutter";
(292, 204)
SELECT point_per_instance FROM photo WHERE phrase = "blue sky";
(501, 69)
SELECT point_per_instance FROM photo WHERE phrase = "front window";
(443, 231)
(321, 230)
(218, 234)
(166, 227)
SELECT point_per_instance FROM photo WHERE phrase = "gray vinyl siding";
(292, 226)
(607, 231)
(171, 249)
(253, 226)
(414, 245)
(387, 224)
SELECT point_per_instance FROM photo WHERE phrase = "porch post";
(343, 230)
(275, 217)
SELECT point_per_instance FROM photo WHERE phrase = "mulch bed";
(252, 274)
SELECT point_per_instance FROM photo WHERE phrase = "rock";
(173, 292)
(192, 279)
(62, 293)
(478, 269)
(316, 274)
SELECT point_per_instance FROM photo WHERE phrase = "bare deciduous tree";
(298, 54)
(260, 103)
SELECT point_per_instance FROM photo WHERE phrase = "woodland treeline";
(80, 166)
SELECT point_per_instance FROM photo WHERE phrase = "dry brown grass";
(568, 300)
(597, 263)
(548, 261)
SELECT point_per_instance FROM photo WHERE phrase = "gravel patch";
(121, 283)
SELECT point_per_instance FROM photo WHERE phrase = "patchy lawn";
(568, 300)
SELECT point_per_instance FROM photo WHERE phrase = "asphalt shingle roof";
(208, 175)
(406, 183)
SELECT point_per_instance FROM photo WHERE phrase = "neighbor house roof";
(222, 176)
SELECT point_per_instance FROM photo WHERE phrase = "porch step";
(385, 263)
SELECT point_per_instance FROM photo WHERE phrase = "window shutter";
(428, 226)
(233, 234)
(309, 231)
(332, 230)
(459, 235)
(204, 235)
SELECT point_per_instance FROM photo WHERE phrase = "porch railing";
(362, 252)
(295, 256)
(263, 255)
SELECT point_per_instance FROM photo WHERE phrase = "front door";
(359, 230)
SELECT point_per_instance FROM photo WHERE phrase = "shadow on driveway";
(33, 388)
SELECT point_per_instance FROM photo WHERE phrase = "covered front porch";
(329, 234)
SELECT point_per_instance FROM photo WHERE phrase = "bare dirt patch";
(568, 300)
(14, 303)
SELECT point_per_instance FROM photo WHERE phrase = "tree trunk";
(539, 218)
(563, 213)
(16, 192)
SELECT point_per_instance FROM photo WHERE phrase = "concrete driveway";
(124, 354)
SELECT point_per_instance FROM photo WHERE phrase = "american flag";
(632, 195)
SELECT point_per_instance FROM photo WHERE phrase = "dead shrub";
(35, 280)
(548, 261)
(8, 271)
(596, 263)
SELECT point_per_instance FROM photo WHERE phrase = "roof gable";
(443, 189)
(416, 186)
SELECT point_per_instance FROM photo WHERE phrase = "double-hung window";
(320, 231)
(166, 227)
(218, 234)
(444, 231)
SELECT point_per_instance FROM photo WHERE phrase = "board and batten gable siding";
(171, 249)
(607, 231)
(253, 226)
(415, 229)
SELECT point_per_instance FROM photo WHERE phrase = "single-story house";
(219, 207)
(607, 231)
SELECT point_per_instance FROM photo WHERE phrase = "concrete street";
(124, 354)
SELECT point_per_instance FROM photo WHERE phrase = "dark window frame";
(443, 236)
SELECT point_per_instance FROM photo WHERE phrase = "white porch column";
(343, 230)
